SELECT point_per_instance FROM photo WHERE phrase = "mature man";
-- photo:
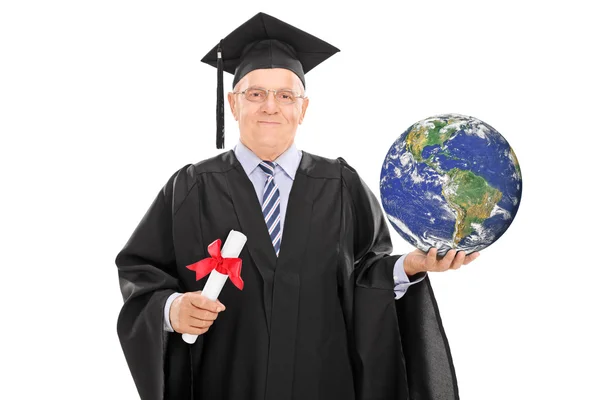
(325, 312)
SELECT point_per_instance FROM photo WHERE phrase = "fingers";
(196, 321)
(199, 323)
(203, 309)
(431, 260)
(458, 260)
(447, 261)
(471, 257)
(195, 313)
(203, 314)
(453, 259)
(204, 303)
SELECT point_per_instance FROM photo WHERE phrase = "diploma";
(224, 262)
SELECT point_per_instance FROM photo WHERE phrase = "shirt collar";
(289, 160)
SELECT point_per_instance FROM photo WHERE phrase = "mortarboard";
(263, 42)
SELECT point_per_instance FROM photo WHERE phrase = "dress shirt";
(285, 171)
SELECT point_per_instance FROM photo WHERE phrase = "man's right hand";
(193, 313)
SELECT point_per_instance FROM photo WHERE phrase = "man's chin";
(270, 137)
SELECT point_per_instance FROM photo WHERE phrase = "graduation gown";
(318, 322)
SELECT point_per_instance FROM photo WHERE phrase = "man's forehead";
(272, 78)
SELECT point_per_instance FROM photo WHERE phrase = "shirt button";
(395, 279)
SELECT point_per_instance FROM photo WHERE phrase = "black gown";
(318, 322)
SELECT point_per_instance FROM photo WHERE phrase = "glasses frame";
(275, 91)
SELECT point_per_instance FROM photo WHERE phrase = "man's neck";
(266, 154)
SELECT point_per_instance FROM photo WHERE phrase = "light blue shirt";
(285, 171)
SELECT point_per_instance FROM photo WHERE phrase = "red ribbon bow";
(227, 266)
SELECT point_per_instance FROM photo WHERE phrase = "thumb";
(222, 306)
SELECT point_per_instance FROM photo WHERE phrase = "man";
(324, 312)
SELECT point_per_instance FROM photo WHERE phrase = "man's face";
(268, 124)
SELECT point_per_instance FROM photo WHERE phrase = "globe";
(451, 182)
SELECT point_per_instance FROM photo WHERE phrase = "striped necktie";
(270, 205)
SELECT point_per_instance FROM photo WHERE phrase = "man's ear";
(231, 100)
(304, 107)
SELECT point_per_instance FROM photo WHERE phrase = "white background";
(100, 102)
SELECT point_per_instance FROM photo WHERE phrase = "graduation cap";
(263, 42)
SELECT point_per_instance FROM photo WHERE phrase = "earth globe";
(451, 182)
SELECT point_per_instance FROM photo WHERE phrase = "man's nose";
(270, 104)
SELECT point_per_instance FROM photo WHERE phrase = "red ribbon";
(227, 266)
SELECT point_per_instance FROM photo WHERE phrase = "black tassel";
(220, 100)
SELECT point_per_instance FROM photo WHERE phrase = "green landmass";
(514, 158)
(473, 199)
(421, 137)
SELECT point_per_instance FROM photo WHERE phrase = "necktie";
(270, 205)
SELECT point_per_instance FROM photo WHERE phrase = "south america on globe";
(451, 182)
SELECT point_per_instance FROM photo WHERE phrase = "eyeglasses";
(259, 95)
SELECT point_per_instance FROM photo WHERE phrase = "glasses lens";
(256, 95)
(286, 96)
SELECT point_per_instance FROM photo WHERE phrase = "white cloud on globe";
(499, 210)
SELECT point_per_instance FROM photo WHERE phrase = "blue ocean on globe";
(451, 182)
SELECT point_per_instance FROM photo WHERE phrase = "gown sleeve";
(147, 277)
(398, 348)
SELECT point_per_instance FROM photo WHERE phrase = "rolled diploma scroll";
(231, 249)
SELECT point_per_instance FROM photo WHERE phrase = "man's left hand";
(419, 261)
